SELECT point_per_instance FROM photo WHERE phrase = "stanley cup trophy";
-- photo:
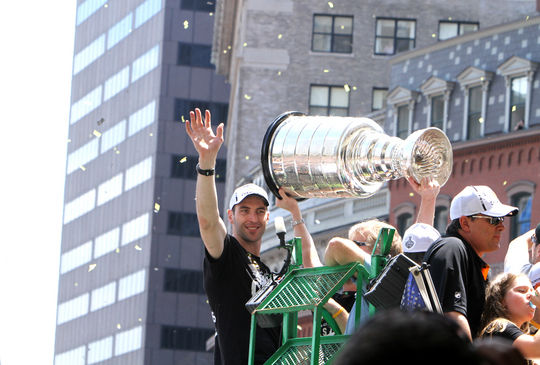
(340, 157)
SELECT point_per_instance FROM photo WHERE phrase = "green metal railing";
(310, 289)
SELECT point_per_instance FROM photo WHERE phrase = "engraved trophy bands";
(335, 157)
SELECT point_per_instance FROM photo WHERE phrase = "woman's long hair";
(495, 317)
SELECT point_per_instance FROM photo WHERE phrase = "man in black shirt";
(457, 269)
(233, 271)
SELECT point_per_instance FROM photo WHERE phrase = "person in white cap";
(233, 271)
(459, 274)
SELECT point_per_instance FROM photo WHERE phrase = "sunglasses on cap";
(358, 243)
(492, 220)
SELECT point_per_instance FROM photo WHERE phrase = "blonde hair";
(495, 316)
(371, 229)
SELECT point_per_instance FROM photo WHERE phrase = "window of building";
(128, 341)
(475, 85)
(518, 74)
(145, 63)
(219, 111)
(138, 173)
(521, 223)
(71, 309)
(145, 11)
(196, 55)
(135, 229)
(131, 285)
(103, 296)
(404, 221)
(119, 31)
(89, 54)
(183, 281)
(402, 101)
(437, 111)
(450, 29)
(185, 169)
(394, 35)
(518, 98)
(82, 155)
(113, 136)
(76, 257)
(332, 33)
(142, 118)
(402, 121)
(80, 206)
(328, 100)
(199, 5)
(378, 98)
(185, 338)
(76, 356)
(87, 8)
(110, 189)
(474, 114)
(437, 92)
(183, 224)
(116, 83)
(441, 219)
(100, 350)
(106, 242)
(86, 104)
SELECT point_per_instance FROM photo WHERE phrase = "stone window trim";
(404, 208)
(517, 67)
(435, 86)
(400, 96)
(473, 77)
(521, 186)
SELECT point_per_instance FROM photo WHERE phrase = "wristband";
(208, 172)
(334, 316)
(295, 223)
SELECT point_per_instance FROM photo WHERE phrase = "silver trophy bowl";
(342, 157)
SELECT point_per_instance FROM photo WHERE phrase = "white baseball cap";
(534, 275)
(419, 237)
(479, 199)
(246, 190)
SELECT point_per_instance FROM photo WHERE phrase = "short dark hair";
(397, 337)
(453, 228)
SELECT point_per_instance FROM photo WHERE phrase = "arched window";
(522, 222)
(404, 221)
(441, 218)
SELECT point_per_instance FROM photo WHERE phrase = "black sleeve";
(511, 332)
(447, 260)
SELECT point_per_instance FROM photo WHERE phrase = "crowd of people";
(486, 320)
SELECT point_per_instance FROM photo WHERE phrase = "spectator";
(459, 274)
(233, 271)
(510, 305)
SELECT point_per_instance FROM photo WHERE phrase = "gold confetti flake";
(245, 44)
(138, 248)
(317, 221)
(224, 51)
(183, 159)
(279, 73)
(211, 14)
(139, 319)
(186, 24)
(229, 47)
(480, 120)
(347, 88)
(117, 250)
(433, 35)
(505, 182)
(354, 88)
(298, 327)
(280, 36)
(514, 108)
(330, 4)
(411, 194)
(96, 133)
(117, 152)
(69, 140)
(119, 326)
(156, 269)
(247, 157)
(326, 70)
(82, 167)
(75, 284)
(247, 97)
(217, 176)
(182, 119)
(151, 134)
(106, 5)
(91, 267)
(157, 207)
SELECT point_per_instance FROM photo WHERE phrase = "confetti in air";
(354, 88)
(247, 97)
(157, 207)
(280, 36)
(91, 267)
(245, 44)
(433, 35)
(183, 120)
(279, 73)
(480, 120)
(76, 284)
(69, 140)
(119, 326)
(117, 250)
(247, 157)
(505, 182)
(82, 167)
(317, 221)
(211, 14)
(186, 24)
(96, 133)
(326, 70)
(139, 319)
(411, 194)
(347, 88)
(156, 269)
(138, 248)
(330, 4)
(183, 159)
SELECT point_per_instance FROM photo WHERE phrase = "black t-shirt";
(230, 281)
(511, 332)
(460, 278)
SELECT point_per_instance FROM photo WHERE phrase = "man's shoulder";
(446, 246)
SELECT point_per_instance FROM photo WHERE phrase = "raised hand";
(428, 187)
(205, 141)
(288, 203)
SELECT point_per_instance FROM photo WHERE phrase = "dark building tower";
(130, 286)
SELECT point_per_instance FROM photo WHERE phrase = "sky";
(36, 39)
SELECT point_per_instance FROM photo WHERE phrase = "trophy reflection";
(337, 157)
